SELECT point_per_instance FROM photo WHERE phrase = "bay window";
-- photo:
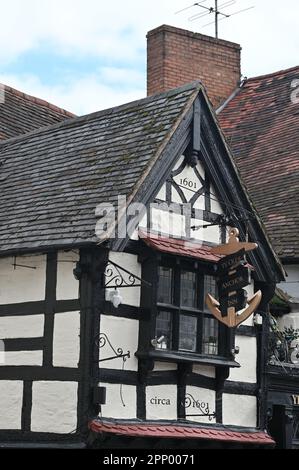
(183, 322)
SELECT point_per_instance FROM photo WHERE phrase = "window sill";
(187, 358)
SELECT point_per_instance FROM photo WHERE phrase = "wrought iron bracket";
(103, 341)
(204, 408)
(115, 278)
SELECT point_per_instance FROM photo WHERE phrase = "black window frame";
(179, 265)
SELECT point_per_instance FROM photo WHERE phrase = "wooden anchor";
(234, 245)
(232, 320)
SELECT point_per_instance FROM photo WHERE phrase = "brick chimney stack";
(176, 57)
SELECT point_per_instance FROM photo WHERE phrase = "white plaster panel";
(201, 170)
(117, 409)
(175, 197)
(198, 234)
(162, 193)
(23, 358)
(189, 181)
(291, 286)
(215, 205)
(204, 370)
(130, 295)
(178, 163)
(200, 204)
(168, 224)
(54, 407)
(196, 400)
(22, 284)
(247, 358)
(210, 234)
(31, 326)
(122, 333)
(67, 286)
(161, 402)
(250, 291)
(66, 343)
(164, 366)
(239, 410)
(11, 399)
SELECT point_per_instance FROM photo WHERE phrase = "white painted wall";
(122, 333)
(291, 286)
(67, 286)
(164, 366)
(131, 296)
(189, 182)
(114, 407)
(54, 407)
(247, 358)
(209, 234)
(22, 327)
(161, 411)
(22, 358)
(200, 395)
(20, 284)
(239, 410)
(66, 344)
(11, 393)
(161, 196)
(215, 205)
(174, 225)
(167, 224)
(250, 290)
(204, 370)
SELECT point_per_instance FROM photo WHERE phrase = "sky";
(88, 55)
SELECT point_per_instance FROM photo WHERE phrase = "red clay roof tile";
(180, 432)
(181, 247)
(261, 124)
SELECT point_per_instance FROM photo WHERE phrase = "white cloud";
(81, 96)
(116, 30)
(95, 27)
(114, 33)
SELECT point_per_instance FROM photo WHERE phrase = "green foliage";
(288, 334)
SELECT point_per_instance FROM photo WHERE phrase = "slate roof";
(262, 127)
(52, 180)
(21, 113)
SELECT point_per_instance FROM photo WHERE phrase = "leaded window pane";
(165, 285)
(188, 333)
(188, 289)
(164, 329)
(210, 336)
(210, 287)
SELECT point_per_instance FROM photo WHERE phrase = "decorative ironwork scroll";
(202, 407)
(115, 277)
(103, 341)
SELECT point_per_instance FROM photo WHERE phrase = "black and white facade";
(162, 358)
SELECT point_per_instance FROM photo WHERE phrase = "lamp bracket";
(118, 277)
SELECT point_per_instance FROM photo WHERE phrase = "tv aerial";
(216, 10)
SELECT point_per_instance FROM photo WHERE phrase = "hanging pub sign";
(237, 300)
(233, 275)
(234, 280)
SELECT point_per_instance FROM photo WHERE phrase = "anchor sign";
(233, 276)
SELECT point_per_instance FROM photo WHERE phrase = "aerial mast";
(217, 10)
